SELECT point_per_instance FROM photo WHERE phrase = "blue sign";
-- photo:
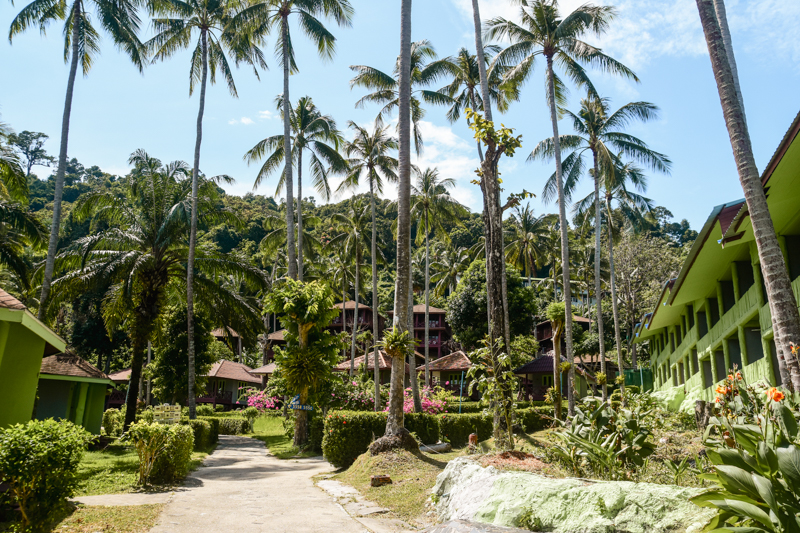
(295, 405)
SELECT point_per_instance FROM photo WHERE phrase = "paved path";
(241, 488)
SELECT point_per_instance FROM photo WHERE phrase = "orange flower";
(717, 399)
(775, 395)
(721, 390)
(730, 377)
(738, 376)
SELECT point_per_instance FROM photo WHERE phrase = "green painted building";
(23, 342)
(715, 313)
(72, 389)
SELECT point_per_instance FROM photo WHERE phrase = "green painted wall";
(21, 352)
(79, 402)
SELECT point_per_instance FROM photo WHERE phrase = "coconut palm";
(368, 157)
(218, 32)
(275, 239)
(528, 233)
(81, 45)
(447, 269)
(782, 303)
(464, 90)
(265, 16)
(600, 133)
(353, 228)
(543, 32)
(615, 183)
(432, 206)
(424, 71)
(143, 253)
(314, 133)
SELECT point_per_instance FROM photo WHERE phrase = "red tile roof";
(351, 304)
(122, 376)
(420, 308)
(277, 336)
(384, 362)
(71, 365)
(232, 370)
(9, 302)
(456, 361)
(265, 370)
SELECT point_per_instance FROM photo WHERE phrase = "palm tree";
(447, 269)
(402, 292)
(218, 32)
(18, 227)
(81, 45)
(143, 253)
(528, 234)
(275, 239)
(353, 239)
(544, 33)
(268, 15)
(464, 90)
(599, 133)
(782, 304)
(368, 156)
(312, 132)
(433, 206)
(615, 182)
(385, 86)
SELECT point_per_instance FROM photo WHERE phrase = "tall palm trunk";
(563, 222)
(355, 315)
(52, 245)
(375, 315)
(782, 304)
(394, 422)
(614, 305)
(598, 290)
(475, 108)
(300, 215)
(291, 256)
(193, 229)
(427, 299)
(722, 19)
(412, 357)
(344, 313)
(559, 402)
(138, 343)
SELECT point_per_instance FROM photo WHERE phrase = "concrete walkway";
(242, 488)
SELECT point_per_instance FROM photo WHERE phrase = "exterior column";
(81, 409)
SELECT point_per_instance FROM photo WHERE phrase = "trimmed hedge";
(172, 464)
(348, 434)
(233, 426)
(214, 422)
(204, 437)
(316, 430)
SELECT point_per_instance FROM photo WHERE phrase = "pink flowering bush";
(351, 396)
(430, 404)
(261, 401)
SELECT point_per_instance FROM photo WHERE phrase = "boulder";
(689, 401)
(671, 399)
(467, 491)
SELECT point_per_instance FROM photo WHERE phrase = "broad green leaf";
(748, 510)
(789, 464)
(767, 460)
(786, 420)
(767, 492)
(737, 481)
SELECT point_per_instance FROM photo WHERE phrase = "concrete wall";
(81, 403)
(21, 352)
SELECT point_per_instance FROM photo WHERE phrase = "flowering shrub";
(430, 405)
(261, 400)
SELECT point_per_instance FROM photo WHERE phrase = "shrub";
(233, 426)
(316, 430)
(251, 413)
(204, 437)
(214, 422)
(113, 420)
(424, 425)
(173, 464)
(457, 428)
(205, 410)
(39, 461)
(348, 434)
(219, 408)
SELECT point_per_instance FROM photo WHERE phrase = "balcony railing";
(224, 397)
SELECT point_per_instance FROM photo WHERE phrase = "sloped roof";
(220, 332)
(9, 302)
(420, 308)
(351, 304)
(384, 362)
(120, 376)
(544, 365)
(277, 336)
(267, 370)
(456, 361)
(232, 370)
(70, 365)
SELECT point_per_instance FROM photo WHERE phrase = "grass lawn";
(116, 470)
(269, 430)
(132, 519)
(413, 478)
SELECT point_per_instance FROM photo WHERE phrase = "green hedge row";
(205, 435)
(233, 426)
(348, 434)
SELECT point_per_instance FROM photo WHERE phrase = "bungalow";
(232, 339)
(226, 379)
(537, 377)
(72, 389)
(715, 313)
(344, 320)
(438, 330)
(449, 371)
(384, 365)
(544, 334)
(24, 341)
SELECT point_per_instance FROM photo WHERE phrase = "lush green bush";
(204, 410)
(214, 423)
(204, 438)
(164, 451)
(535, 418)
(425, 426)
(348, 434)
(113, 420)
(456, 428)
(39, 462)
(233, 426)
(316, 430)
(219, 408)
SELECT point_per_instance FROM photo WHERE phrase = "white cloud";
(244, 120)
(266, 115)
(645, 30)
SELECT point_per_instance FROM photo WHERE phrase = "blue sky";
(116, 110)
